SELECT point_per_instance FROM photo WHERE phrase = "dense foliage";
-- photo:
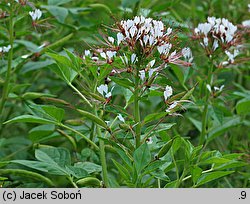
(124, 93)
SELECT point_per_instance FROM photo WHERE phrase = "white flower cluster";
(146, 30)
(216, 30)
(5, 49)
(149, 33)
(35, 15)
(103, 90)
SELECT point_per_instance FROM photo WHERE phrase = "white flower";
(120, 38)
(168, 92)
(149, 140)
(187, 54)
(119, 116)
(103, 55)
(108, 55)
(5, 48)
(172, 106)
(87, 53)
(205, 41)
(209, 88)
(219, 89)
(215, 45)
(204, 28)
(103, 90)
(111, 39)
(151, 63)
(133, 58)
(164, 49)
(35, 15)
(151, 72)
(142, 74)
(246, 23)
(124, 59)
(232, 56)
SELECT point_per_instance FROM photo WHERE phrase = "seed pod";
(34, 95)
(94, 118)
(164, 150)
(97, 97)
(124, 126)
(74, 122)
(89, 181)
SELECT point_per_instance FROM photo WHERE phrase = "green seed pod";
(74, 122)
(99, 98)
(94, 118)
(109, 148)
(89, 181)
(35, 95)
(124, 126)
(164, 150)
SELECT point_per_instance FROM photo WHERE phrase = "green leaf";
(178, 72)
(220, 129)
(30, 119)
(196, 173)
(53, 155)
(54, 112)
(122, 170)
(89, 167)
(129, 3)
(77, 172)
(59, 13)
(142, 157)
(153, 166)
(160, 174)
(126, 83)
(243, 106)
(58, 2)
(159, 128)
(207, 177)
(47, 167)
(196, 123)
(32, 66)
(39, 133)
(154, 116)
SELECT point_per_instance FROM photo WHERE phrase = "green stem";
(10, 56)
(102, 155)
(137, 111)
(80, 94)
(83, 136)
(205, 110)
(72, 182)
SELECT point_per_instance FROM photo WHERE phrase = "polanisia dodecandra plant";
(132, 62)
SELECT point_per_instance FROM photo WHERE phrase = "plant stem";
(205, 110)
(10, 56)
(72, 182)
(80, 94)
(137, 111)
(83, 136)
(102, 155)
